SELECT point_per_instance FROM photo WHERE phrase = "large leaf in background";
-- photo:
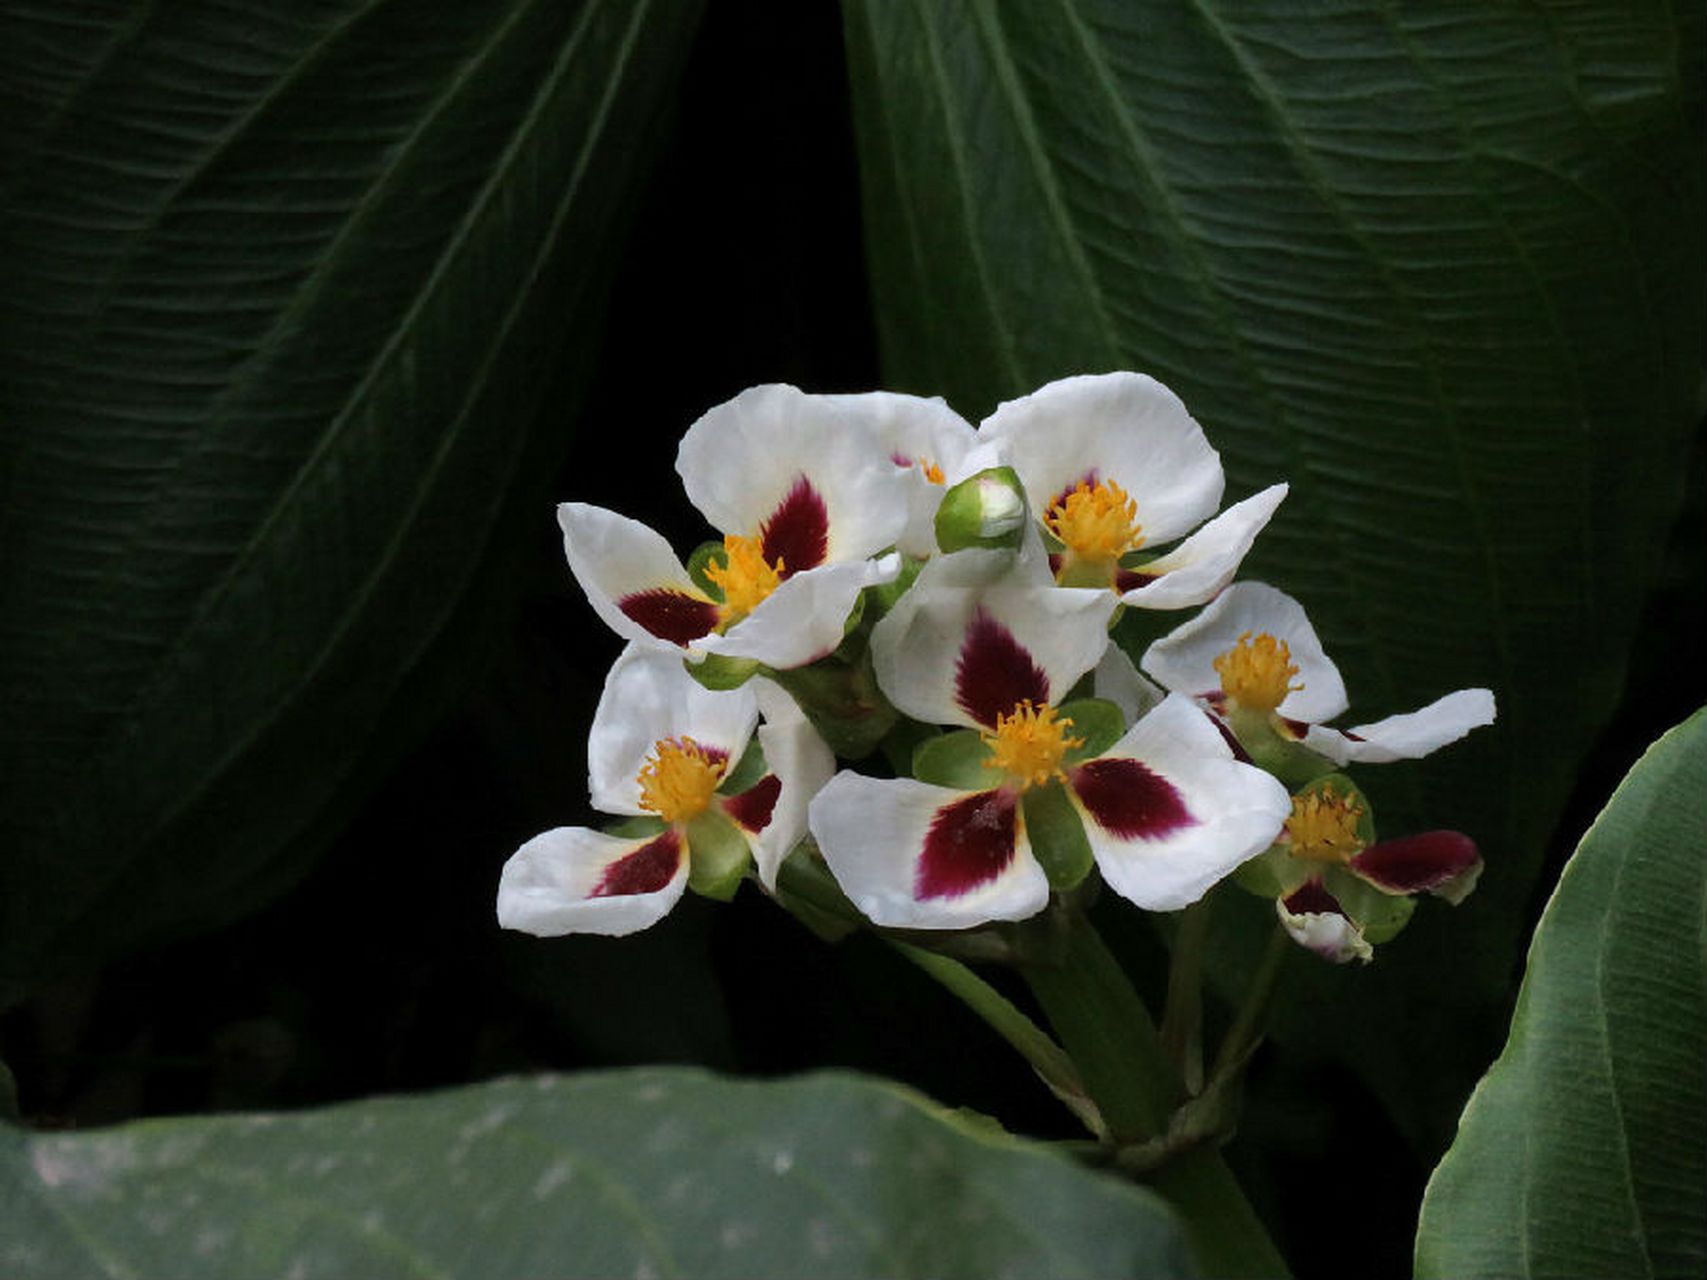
(1438, 266)
(1581, 1153)
(644, 1173)
(285, 290)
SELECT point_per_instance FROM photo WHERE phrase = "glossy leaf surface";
(1581, 1152)
(1435, 266)
(286, 290)
(662, 1173)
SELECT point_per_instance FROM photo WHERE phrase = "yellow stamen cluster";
(1323, 827)
(679, 779)
(744, 578)
(1029, 744)
(1257, 672)
(931, 471)
(1098, 523)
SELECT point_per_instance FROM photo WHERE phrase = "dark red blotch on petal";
(1129, 800)
(970, 842)
(1412, 864)
(670, 615)
(798, 531)
(647, 870)
(752, 808)
(994, 673)
(1132, 579)
(1311, 898)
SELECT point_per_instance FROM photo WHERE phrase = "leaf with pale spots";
(645, 1173)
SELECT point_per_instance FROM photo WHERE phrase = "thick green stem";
(1105, 1028)
(1046, 1057)
(1182, 1018)
(1252, 1017)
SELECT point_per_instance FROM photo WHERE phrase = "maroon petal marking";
(901, 460)
(1129, 800)
(1311, 898)
(970, 842)
(1229, 737)
(647, 870)
(1412, 864)
(994, 673)
(1132, 579)
(670, 615)
(752, 808)
(798, 531)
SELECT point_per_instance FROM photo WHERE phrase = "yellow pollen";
(1029, 743)
(1257, 672)
(1323, 827)
(678, 779)
(931, 471)
(744, 578)
(1096, 523)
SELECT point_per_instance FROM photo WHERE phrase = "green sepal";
(1267, 874)
(881, 598)
(1098, 721)
(1057, 835)
(903, 740)
(843, 702)
(718, 855)
(718, 671)
(986, 510)
(707, 553)
(1286, 758)
(955, 759)
(638, 827)
(1380, 915)
(748, 769)
(808, 892)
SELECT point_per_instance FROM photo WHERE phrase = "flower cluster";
(933, 602)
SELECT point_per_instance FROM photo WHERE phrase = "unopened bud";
(985, 510)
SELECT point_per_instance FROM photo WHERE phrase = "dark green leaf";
(1439, 267)
(660, 1173)
(1581, 1152)
(285, 288)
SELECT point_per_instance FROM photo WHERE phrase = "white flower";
(663, 752)
(1162, 808)
(803, 489)
(1115, 466)
(1254, 650)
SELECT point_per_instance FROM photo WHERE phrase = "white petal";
(741, 459)
(1205, 562)
(545, 886)
(613, 558)
(804, 618)
(1125, 427)
(1327, 933)
(802, 763)
(913, 432)
(1237, 810)
(1408, 736)
(916, 649)
(872, 832)
(1117, 680)
(647, 697)
(1184, 659)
